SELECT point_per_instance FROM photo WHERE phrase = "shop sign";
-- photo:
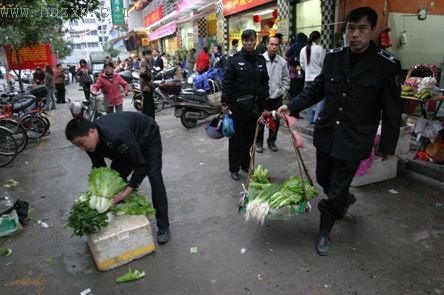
(283, 28)
(31, 57)
(184, 4)
(145, 42)
(235, 35)
(235, 6)
(162, 32)
(153, 16)
(117, 12)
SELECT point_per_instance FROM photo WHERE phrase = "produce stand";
(437, 98)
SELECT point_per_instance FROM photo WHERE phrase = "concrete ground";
(394, 248)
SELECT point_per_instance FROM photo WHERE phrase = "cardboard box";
(126, 238)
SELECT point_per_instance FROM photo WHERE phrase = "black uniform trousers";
(240, 143)
(153, 158)
(60, 92)
(335, 177)
(270, 105)
(148, 103)
(87, 90)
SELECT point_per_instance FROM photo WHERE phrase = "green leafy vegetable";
(260, 175)
(135, 204)
(130, 276)
(5, 251)
(84, 220)
(11, 183)
(105, 182)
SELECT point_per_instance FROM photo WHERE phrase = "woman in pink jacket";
(110, 83)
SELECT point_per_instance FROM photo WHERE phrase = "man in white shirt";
(312, 59)
(279, 85)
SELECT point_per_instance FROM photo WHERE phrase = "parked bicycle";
(8, 146)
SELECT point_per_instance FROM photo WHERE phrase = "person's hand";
(225, 109)
(122, 196)
(283, 111)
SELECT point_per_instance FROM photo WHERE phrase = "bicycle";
(8, 146)
(91, 109)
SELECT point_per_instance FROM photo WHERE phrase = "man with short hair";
(262, 47)
(233, 49)
(132, 141)
(157, 61)
(361, 86)
(279, 84)
(245, 88)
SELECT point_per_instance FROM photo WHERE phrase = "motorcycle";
(192, 105)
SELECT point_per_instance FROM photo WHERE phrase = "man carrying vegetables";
(361, 88)
(132, 141)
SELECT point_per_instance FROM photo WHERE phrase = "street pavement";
(395, 247)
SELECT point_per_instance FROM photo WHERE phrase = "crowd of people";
(349, 87)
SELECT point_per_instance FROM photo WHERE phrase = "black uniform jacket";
(356, 101)
(245, 75)
(124, 137)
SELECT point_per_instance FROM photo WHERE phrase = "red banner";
(235, 6)
(153, 16)
(31, 57)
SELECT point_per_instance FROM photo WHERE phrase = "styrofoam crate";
(380, 171)
(126, 238)
(403, 145)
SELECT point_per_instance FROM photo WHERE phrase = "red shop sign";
(153, 16)
(31, 57)
(235, 6)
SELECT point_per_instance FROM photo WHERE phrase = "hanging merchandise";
(275, 13)
(257, 18)
(385, 39)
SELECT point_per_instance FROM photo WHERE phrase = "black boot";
(323, 243)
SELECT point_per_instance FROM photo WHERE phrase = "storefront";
(260, 16)
(308, 16)
(164, 39)
(186, 36)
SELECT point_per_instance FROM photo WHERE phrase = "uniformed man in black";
(361, 89)
(245, 77)
(132, 141)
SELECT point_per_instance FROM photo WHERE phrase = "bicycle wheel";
(19, 133)
(47, 122)
(8, 146)
(35, 126)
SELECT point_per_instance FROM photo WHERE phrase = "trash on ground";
(243, 250)
(130, 276)
(21, 208)
(9, 224)
(44, 225)
(8, 264)
(393, 191)
(259, 276)
(11, 183)
(194, 250)
(5, 251)
(325, 286)
(213, 281)
(86, 292)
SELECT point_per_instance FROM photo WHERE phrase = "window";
(93, 44)
(73, 23)
(75, 35)
(76, 46)
(89, 21)
(100, 39)
(92, 33)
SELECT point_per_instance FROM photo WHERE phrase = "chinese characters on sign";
(162, 32)
(235, 6)
(153, 17)
(117, 12)
(31, 57)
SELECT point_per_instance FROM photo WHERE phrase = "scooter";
(192, 105)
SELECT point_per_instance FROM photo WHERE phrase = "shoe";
(163, 236)
(259, 148)
(272, 146)
(244, 169)
(323, 244)
(235, 175)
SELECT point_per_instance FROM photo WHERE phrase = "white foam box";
(125, 238)
(403, 145)
(380, 171)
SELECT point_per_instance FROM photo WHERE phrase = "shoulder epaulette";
(387, 55)
(334, 50)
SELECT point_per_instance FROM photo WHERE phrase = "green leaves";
(130, 276)
(135, 204)
(105, 182)
(260, 174)
(84, 220)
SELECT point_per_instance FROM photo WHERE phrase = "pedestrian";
(137, 63)
(72, 70)
(203, 61)
(146, 83)
(85, 78)
(233, 49)
(294, 66)
(38, 76)
(190, 60)
(311, 59)
(156, 61)
(50, 84)
(279, 84)
(164, 58)
(217, 58)
(59, 79)
(110, 82)
(359, 82)
(280, 37)
(245, 87)
(262, 47)
(132, 141)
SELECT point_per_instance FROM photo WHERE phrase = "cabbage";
(105, 182)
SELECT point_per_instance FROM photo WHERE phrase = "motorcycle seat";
(22, 104)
